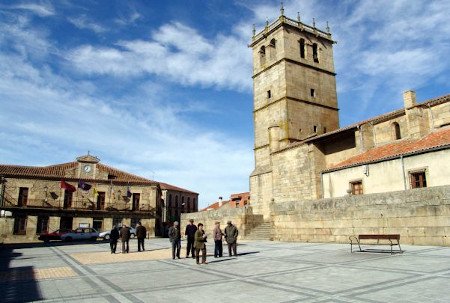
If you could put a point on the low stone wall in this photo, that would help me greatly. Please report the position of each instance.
(420, 216)
(243, 218)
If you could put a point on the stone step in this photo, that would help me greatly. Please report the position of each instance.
(260, 232)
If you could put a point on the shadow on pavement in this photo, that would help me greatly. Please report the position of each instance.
(17, 284)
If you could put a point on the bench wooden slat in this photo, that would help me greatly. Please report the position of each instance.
(355, 240)
(375, 237)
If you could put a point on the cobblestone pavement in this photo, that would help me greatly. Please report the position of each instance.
(263, 272)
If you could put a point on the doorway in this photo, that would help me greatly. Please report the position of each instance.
(66, 223)
(97, 224)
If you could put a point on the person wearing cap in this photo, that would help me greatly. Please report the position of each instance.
(200, 239)
(175, 239)
(217, 234)
(190, 235)
(231, 234)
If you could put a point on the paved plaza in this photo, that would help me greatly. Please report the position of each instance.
(263, 272)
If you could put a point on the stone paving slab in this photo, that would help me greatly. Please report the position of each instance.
(107, 257)
(18, 274)
(264, 271)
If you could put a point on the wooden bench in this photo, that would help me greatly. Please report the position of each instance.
(391, 240)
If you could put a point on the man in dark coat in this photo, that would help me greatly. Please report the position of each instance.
(190, 235)
(231, 234)
(113, 237)
(175, 239)
(200, 239)
(125, 237)
(141, 233)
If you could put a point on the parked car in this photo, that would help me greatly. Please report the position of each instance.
(106, 234)
(80, 233)
(54, 235)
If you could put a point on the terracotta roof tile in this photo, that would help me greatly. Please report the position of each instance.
(215, 205)
(436, 139)
(165, 186)
(60, 171)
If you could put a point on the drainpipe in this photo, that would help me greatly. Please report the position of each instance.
(403, 172)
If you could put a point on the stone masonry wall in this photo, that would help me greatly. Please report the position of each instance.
(420, 216)
(244, 219)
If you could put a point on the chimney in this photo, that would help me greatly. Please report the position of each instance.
(220, 201)
(409, 98)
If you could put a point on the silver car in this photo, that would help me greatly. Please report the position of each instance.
(106, 234)
(80, 234)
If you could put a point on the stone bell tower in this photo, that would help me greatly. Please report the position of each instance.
(294, 88)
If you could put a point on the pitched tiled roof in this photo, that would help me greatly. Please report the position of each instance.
(165, 186)
(59, 171)
(241, 196)
(215, 205)
(436, 140)
(377, 119)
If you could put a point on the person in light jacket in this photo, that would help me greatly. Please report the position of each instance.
(217, 234)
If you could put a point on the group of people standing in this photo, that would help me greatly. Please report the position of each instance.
(124, 235)
(196, 239)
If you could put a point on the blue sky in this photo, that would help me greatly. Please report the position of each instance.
(163, 89)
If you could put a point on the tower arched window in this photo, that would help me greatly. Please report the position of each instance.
(262, 54)
(396, 130)
(315, 48)
(302, 48)
(273, 43)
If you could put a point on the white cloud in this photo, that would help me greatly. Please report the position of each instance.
(174, 51)
(42, 9)
(48, 116)
(82, 22)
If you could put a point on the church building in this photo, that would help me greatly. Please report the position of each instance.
(300, 151)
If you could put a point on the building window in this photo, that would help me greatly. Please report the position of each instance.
(356, 187)
(313, 92)
(397, 133)
(194, 206)
(23, 196)
(315, 128)
(269, 94)
(101, 197)
(170, 200)
(68, 197)
(315, 53)
(42, 224)
(302, 48)
(418, 179)
(136, 198)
